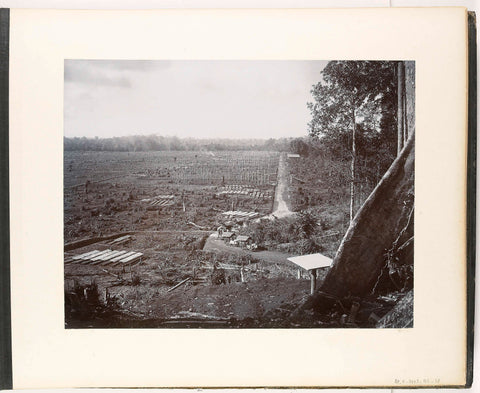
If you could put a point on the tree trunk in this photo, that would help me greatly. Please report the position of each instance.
(353, 165)
(400, 105)
(361, 255)
(401, 316)
(404, 103)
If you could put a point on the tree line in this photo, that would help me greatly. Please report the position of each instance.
(172, 143)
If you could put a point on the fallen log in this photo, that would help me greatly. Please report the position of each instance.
(88, 241)
(177, 285)
(194, 323)
(196, 316)
(197, 226)
(330, 234)
(117, 276)
(299, 180)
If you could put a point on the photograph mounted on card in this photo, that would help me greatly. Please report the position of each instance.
(209, 191)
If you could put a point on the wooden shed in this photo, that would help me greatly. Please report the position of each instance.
(243, 240)
(228, 236)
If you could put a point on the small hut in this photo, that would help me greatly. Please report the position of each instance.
(244, 241)
(228, 236)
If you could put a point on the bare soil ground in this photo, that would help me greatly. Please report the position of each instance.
(224, 282)
(171, 204)
(143, 291)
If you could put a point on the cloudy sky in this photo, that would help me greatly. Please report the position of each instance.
(200, 99)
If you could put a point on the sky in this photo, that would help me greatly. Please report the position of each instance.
(189, 98)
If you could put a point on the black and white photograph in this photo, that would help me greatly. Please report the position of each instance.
(239, 193)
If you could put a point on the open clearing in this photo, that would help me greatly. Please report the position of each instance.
(111, 192)
(142, 247)
(170, 204)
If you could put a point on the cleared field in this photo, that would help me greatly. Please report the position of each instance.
(163, 206)
(110, 192)
(139, 250)
(176, 279)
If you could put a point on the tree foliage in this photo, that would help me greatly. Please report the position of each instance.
(365, 86)
(298, 232)
(359, 96)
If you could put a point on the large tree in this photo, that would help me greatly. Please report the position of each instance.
(354, 102)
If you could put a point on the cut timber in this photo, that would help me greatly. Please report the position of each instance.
(102, 257)
(118, 258)
(79, 258)
(85, 255)
(130, 259)
(361, 255)
(93, 256)
(108, 257)
(114, 254)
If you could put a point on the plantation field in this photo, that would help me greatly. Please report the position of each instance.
(191, 167)
(111, 192)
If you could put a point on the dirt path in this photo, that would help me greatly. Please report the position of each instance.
(280, 206)
(214, 244)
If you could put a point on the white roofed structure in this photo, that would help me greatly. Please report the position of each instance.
(311, 263)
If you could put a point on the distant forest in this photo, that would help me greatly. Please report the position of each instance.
(165, 143)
